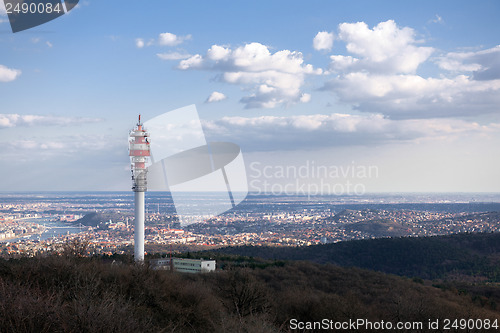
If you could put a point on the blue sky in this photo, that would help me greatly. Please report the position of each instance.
(410, 87)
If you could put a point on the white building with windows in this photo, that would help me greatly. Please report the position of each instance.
(184, 265)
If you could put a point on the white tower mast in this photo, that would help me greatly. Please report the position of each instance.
(139, 151)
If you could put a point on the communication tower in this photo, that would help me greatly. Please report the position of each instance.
(139, 152)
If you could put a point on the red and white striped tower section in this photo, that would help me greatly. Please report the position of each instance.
(139, 152)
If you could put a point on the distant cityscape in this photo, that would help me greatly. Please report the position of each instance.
(38, 223)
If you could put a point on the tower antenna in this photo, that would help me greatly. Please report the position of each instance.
(139, 152)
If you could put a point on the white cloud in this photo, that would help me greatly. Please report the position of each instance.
(385, 49)
(305, 98)
(217, 53)
(164, 39)
(169, 39)
(316, 131)
(8, 74)
(274, 78)
(411, 96)
(215, 97)
(340, 63)
(323, 41)
(49, 44)
(380, 75)
(17, 120)
(484, 64)
(173, 56)
(192, 62)
(139, 42)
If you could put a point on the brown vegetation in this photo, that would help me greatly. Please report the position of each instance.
(72, 294)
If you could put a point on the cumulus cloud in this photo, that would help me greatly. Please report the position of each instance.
(272, 133)
(215, 97)
(386, 48)
(192, 62)
(273, 78)
(217, 53)
(173, 55)
(169, 39)
(380, 75)
(8, 74)
(17, 120)
(323, 41)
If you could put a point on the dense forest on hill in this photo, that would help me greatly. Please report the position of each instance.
(257, 289)
(70, 294)
(474, 257)
(65, 294)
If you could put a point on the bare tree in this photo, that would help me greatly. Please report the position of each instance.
(76, 247)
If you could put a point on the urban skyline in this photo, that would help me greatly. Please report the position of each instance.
(42, 223)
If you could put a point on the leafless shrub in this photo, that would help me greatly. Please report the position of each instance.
(76, 247)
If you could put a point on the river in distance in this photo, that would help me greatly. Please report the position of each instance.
(53, 229)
